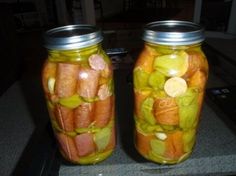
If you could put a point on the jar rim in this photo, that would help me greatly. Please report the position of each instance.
(173, 32)
(72, 37)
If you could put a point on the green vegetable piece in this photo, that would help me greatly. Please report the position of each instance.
(188, 98)
(111, 86)
(157, 80)
(158, 147)
(150, 128)
(93, 159)
(159, 159)
(72, 133)
(71, 102)
(168, 127)
(188, 108)
(188, 116)
(81, 130)
(50, 104)
(140, 79)
(89, 100)
(102, 138)
(189, 138)
(146, 110)
(144, 126)
(175, 64)
(158, 94)
(55, 126)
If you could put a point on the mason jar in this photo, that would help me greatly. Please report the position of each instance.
(77, 79)
(170, 75)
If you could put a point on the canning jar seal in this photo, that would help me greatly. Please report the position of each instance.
(72, 37)
(173, 32)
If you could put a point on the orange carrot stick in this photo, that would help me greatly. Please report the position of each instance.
(145, 60)
(174, 145)
(195, 62)
(85, 144)
(166, 111)
(198, 80)
(143, 142)
(88, 82)
(64, 117)
(83, 115)
(66, 79)
(103, 111)
(67, 146)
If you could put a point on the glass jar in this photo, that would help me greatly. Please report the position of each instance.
(170, 75)
(77, 79)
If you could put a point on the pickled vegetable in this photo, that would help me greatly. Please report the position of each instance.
(102, 138)
(140, 79)
(67, 146)
(145, 60)
(66, 81)
(140, 96)
(188, 109)
(174, 64)
(83, 115)
(156, 80)
(79, 88)
(168, 92)
(143, 143)
(166, 111)
(82, 140)
(175, 86)
(146, 110)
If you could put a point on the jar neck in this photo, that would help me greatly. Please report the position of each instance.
(196, 46)
(74, 55)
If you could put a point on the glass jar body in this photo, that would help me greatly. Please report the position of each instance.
(78, 86)
(169, 84)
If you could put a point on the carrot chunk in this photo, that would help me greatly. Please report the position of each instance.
(174, 145)
(143, 142)
(145, 60)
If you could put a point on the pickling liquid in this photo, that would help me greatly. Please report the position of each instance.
(169, 85)
(79, 91)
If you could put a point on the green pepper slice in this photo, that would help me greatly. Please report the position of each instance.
(146, 110)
